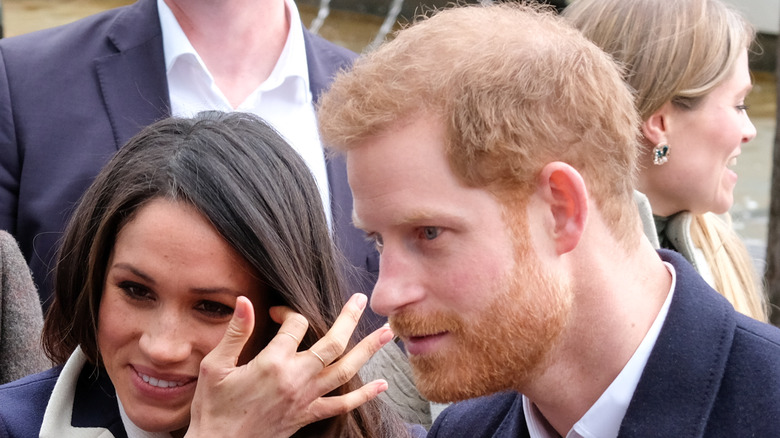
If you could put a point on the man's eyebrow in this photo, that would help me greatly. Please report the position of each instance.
(415, 217)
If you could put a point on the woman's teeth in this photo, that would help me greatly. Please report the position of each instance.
(158, 382)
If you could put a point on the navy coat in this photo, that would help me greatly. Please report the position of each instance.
(71, 96)
(712, 373)
(23, 403)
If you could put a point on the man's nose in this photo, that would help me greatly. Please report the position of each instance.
(398, 284)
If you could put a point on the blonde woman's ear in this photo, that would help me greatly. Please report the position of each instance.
(656, 128)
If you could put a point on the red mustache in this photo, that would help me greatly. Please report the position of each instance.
(408, 324)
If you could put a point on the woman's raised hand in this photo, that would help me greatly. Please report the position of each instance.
(281, 390)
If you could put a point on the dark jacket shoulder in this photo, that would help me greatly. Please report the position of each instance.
(712, 372)
(23, 403)
(497, 415)
(86, 36)
(324, 60)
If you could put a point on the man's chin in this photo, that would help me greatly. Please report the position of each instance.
(443, 381)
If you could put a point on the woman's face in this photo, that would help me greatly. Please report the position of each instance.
(170, 289)
(705, 143)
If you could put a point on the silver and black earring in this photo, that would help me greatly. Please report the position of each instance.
(661, 154)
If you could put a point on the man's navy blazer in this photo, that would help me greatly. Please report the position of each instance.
(712, 373)
(72, 95)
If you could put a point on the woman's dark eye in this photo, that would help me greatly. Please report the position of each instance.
(215, 309)
(430, 233)
(135, 291)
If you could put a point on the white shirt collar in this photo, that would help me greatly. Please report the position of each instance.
(134, 431)
(292, 62)
(59, 410)
(284, 99)
(603, 419)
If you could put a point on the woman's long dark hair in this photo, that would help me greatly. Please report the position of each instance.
(259, 195)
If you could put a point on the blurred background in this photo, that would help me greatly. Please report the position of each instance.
(360, 24)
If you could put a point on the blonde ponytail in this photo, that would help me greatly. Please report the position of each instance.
(732, 267)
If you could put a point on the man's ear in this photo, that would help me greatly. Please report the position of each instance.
(564, 192)
(655, 128)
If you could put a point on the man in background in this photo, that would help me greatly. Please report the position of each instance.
(72, 95)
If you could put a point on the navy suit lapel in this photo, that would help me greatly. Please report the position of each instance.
(324, 61)
(133, 79)
(679, 385)
(95, 403)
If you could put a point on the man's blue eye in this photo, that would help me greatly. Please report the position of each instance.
(431, 233)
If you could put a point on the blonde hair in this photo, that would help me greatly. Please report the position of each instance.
(678, 51)
(731, 265)
(672, 50)
(515, 88)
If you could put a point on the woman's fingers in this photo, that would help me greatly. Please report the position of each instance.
(226, 353)
(281, 389)
(293, 326)
(333, 344)
(345, 368)
(326, 407)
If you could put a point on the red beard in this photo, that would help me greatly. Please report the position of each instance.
(501, 348)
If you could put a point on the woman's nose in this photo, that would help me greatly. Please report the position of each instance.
(166, 340)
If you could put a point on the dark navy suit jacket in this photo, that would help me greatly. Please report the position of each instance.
(23, 404)
(72, 95)
(712, 373)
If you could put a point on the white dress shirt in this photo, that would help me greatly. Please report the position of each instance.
(603, 419)
(134, 431)
(284, 100)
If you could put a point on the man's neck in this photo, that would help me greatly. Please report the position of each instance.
(240, 41)
(615, 306)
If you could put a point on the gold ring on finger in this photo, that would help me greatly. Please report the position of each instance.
(318, 357)
(292, 336)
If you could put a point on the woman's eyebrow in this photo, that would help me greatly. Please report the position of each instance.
(132, 269)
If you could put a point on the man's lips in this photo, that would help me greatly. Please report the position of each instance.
(423, 344)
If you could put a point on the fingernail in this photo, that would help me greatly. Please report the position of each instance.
(381, 386)
(386, 336)
(361, 301)
(240, 311)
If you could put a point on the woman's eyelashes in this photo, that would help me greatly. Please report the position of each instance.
(214, 309)
(210, 308)
(135, 290)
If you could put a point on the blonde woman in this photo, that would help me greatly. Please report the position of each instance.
(687, 61)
